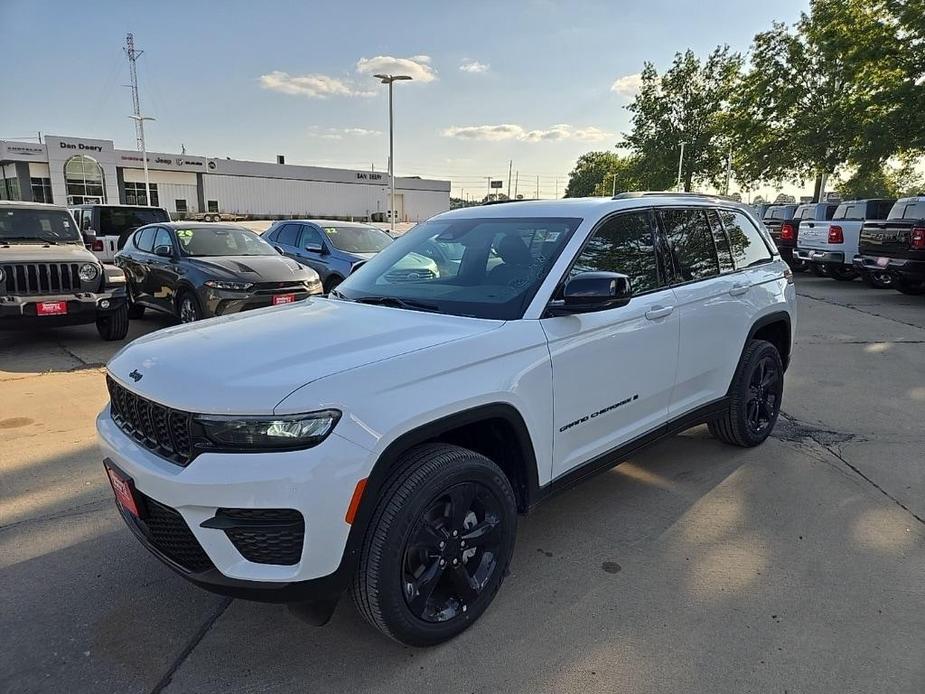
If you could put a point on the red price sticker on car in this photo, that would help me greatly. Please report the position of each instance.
(283, 299)
(51, 308)
(124, 489)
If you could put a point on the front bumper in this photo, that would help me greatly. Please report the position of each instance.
(811, 255)
(317, 482)
(222, 302)
(82, 308)
(902, 267)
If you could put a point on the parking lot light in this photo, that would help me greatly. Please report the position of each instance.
(389, 79)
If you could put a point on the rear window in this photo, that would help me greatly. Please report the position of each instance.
(748, 246)
(908, 209)
(116, 221)
(849, 211)
(804, 212)
(780, 212)
(357, 239)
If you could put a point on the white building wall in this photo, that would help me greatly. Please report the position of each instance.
(171, 186)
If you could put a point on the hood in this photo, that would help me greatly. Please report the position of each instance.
(37, 253)
(252, 268)
(249, 362)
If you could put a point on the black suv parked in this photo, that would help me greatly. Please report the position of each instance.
(48, 278)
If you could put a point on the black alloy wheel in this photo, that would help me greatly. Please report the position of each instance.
(842, 273)
(878, 279)
(754, 397)
(452, 553)
(438, 545)
(764, 390)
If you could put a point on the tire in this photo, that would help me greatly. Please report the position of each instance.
(842, 273)
(435, 498)
(798, 265)
(188, 308)
(135, 311)
(818, 269)
(878, 280)
(331, 283)
(744, 424)
(910, 287)
(114, 325)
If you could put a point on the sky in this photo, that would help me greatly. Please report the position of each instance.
(536, 82)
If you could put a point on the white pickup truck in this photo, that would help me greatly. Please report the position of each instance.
(834, 244)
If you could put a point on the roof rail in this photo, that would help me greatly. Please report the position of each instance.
(667, 193)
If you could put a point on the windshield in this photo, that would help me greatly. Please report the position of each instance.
(352, 239)
(38, 225)
(116, 221)
(485, 268)
(203, 242)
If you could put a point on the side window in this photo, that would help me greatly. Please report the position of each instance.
(748, 247)
(623, 244)
(162, 238)
(723, 253)
(310, 236)
(144, 239)
(692, 242)
(288, 235)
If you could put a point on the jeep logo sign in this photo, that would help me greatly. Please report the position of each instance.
(82, 146)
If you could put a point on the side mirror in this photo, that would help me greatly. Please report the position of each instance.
(595, 291)
(163, 252)
(315, 248)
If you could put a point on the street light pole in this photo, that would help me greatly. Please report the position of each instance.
(680, 165)
(140, 120)
(389, 79)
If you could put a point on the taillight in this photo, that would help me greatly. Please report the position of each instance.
(97, 246)
(917, 241)
(786, 232)
(835, 234)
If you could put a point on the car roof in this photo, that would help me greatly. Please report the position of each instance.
(197, 225)
(328, 222)
(587, 207)
(32, 205)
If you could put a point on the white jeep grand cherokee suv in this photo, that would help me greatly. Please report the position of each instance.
(384, 439)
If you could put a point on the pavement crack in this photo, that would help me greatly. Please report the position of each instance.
(796, 431)
(89, 507)
(191, 645)
(860, 310)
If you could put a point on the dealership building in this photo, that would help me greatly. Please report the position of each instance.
(71, 171)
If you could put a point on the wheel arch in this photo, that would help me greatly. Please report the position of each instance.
(775, 328)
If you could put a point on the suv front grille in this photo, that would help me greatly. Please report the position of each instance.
(171, 536)
(165, 431)
(23, 279)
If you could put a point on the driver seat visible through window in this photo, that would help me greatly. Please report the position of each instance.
(515, 261)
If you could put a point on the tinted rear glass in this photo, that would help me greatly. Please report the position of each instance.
(780, 212)
(115, 221)
(908, 209)
(748, 246)
(692, 242)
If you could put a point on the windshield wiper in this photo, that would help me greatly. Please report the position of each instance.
(33, 239)
(395, 302)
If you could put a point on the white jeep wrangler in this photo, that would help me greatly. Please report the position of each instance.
(384, 439)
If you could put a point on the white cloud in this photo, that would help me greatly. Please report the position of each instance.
(340, 133)
(417, 67)
(627, 85)
(474, 66)
(512, 131)
(314, 85)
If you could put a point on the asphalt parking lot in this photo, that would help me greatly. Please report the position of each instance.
(794, 567)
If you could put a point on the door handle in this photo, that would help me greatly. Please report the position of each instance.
(739, 289)
(657, 312)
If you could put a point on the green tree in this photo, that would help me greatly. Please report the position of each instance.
(882, 182)
(689, 104)
(590, 170)
(823, 94)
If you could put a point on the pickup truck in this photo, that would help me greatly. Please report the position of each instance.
(834, 244)
(783, 223)
(897, 245)
(106, 227)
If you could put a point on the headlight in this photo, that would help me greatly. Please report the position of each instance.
(267, 433)
(238, 286)
(313, 285)
(89, 272)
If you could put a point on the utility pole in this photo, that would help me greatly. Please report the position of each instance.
(537, 187)
(139, 119)
(680, 165)
(516, 182)
(488, 199)
(613, 188)
(389, 79)
(510, 166)
(728, 171)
